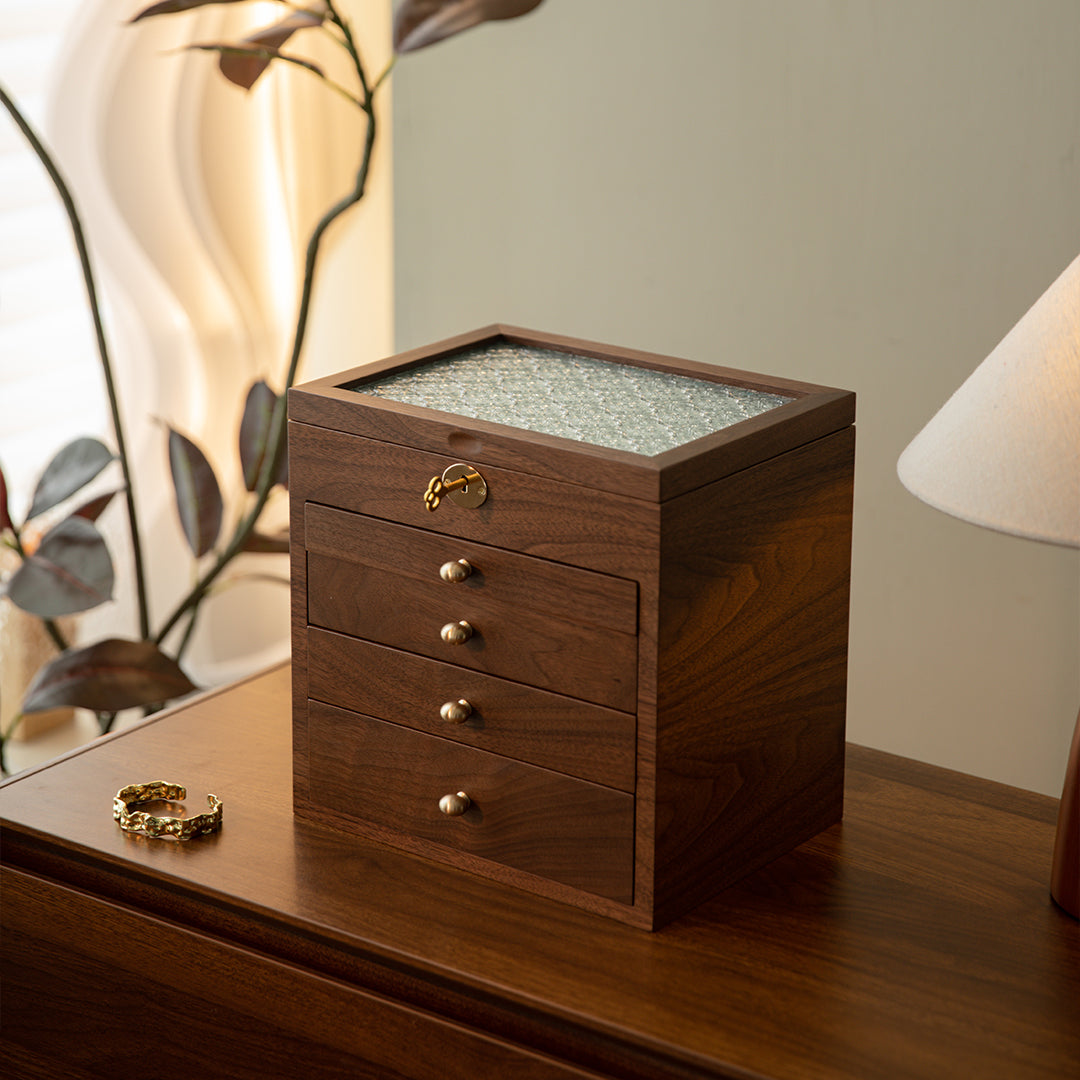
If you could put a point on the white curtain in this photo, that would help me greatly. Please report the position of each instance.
(198, 199)
(46, 344)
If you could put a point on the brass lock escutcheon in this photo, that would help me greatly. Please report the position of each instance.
(461, 484)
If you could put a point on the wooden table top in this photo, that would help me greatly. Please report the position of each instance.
(915, 939)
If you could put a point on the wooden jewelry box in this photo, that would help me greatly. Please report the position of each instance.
(609, 664)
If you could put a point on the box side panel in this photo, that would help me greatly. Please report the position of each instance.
(752, 668)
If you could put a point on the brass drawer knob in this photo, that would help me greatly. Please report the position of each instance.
(455, 805)
(456, 633)
(456, 712)
(455, 572)
(462, 484)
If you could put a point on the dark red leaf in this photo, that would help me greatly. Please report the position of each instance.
(5, 517)
(72, 468)
(70, 571)
(276, 34)
(198, 496)
(260, 542)
(424, 22)
(243, 64)
(171, 7)
(92, 510)
(107, 676)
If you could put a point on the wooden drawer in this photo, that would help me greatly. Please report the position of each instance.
(509, 580)
(390, 780)
(97, 989)
(508, 718)
(564, 629)
(565, 522)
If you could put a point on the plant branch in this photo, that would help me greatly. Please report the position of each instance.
(276, 436)
(385, 73)
(68, 201)
(188, 631)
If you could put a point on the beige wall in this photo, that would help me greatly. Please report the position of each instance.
(864, 194)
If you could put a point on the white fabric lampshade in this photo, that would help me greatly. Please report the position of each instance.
(1004, 450)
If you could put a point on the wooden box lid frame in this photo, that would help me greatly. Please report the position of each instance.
(814, 412)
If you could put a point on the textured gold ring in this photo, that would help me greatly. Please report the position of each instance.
(139, 821)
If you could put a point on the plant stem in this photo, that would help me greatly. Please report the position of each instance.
(66, 198)
(276, 436)
(53, 631)
(188, 631)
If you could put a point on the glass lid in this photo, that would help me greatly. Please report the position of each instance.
(576, 397)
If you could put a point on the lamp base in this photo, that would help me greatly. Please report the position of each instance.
(1065, 875)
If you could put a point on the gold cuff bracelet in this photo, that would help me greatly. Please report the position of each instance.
(139, 821)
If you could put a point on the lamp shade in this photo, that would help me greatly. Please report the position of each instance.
(1004, 450)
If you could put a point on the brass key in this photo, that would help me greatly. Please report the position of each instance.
(462, 483)
(437, 489)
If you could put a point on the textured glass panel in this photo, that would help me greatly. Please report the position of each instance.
(577, 397)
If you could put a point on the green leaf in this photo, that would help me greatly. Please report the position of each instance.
(5, 517)
(254, 431)
(107, 676)
(172, 7)
(198, 496)
(72, 468)
(70, 571)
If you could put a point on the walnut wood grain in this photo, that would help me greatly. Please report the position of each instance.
(753, 630)
(511, 581)
(582, 661)
(914, 941)
(532, 514)
(390, 780)
(507, 718)
(128, 980)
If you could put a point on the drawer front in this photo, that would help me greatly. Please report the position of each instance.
(528, 619)
(568, 658)
(506, 718)
(230, 1011)
(518, 582)
(531, 819)
(565, 522)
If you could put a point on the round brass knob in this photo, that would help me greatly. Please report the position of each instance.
(456, 712)
(455, 805)
(453, 572)
(456, 633)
